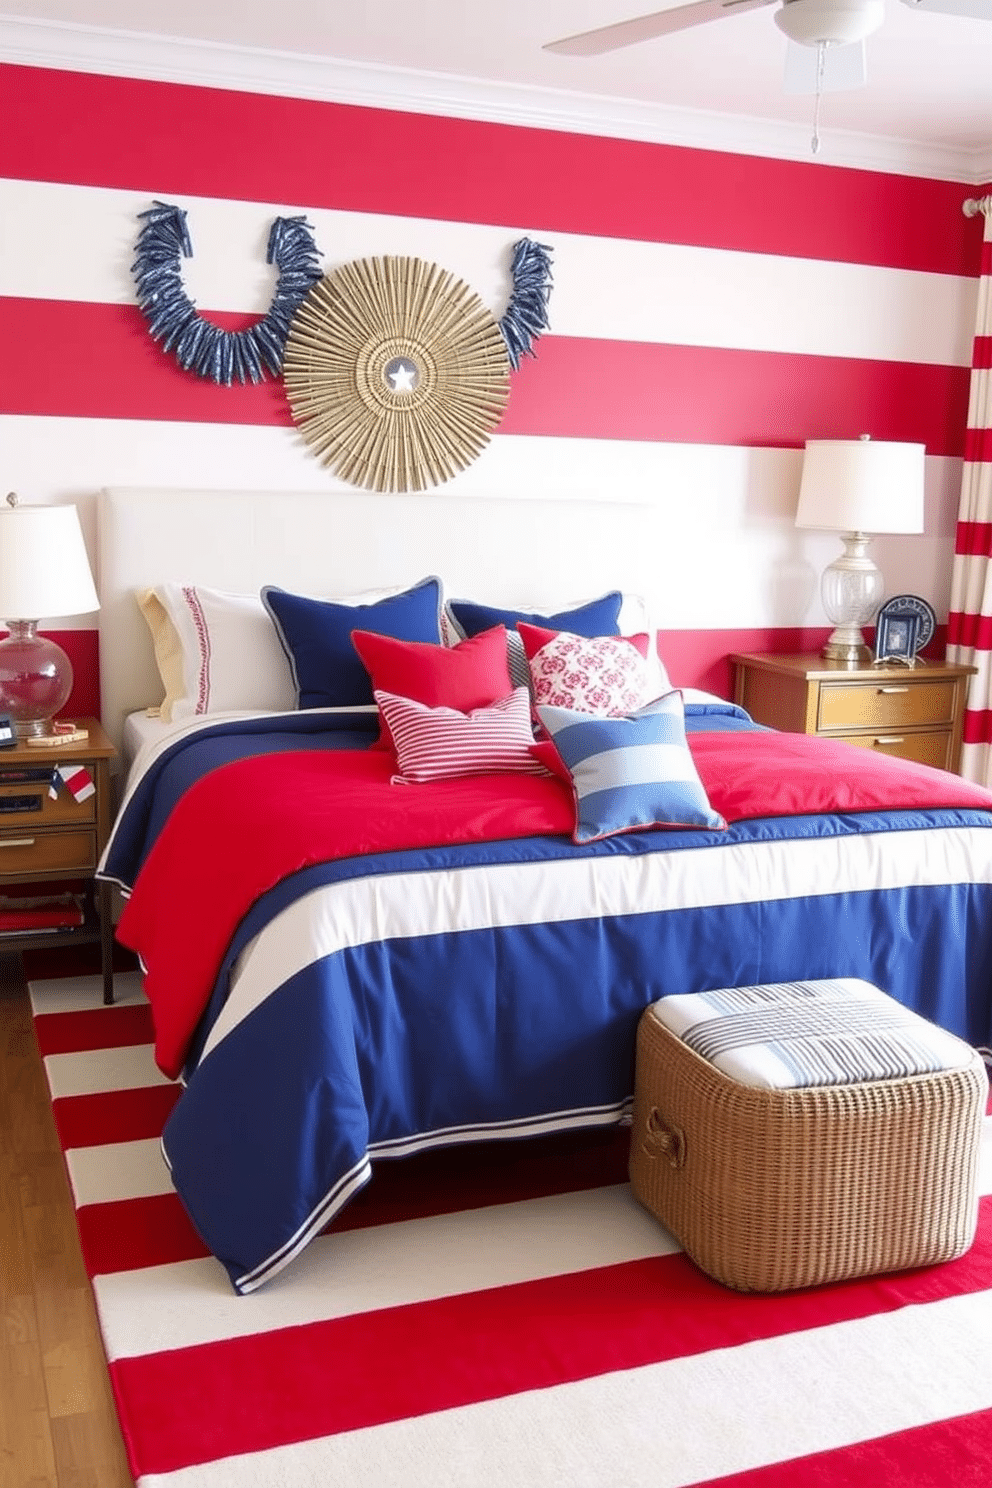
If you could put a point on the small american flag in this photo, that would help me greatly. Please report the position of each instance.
(76, 779)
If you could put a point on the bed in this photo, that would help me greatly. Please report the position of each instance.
(357, 952)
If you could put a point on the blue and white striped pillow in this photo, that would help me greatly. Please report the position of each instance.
(631, 772)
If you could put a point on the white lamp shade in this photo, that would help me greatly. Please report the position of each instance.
(861, 485)
(44, 570)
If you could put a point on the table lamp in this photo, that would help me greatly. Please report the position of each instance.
(44, 571)
(858, 487)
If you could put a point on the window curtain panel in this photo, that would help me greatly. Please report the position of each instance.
(969, 624)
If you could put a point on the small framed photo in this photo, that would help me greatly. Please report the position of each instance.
(897, 636)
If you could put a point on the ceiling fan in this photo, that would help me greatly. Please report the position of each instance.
(832, 31)
(812, 23)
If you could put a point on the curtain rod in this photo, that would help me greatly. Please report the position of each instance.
(973, 206)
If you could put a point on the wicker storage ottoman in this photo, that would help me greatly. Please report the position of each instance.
(857, 1154)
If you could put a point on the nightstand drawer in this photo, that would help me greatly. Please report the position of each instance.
(46, 852)
(29, 804)
(885, 705)
(925, 749)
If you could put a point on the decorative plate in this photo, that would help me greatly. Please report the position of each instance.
(911, 604)
(396, 373)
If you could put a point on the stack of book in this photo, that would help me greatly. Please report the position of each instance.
(25, 915)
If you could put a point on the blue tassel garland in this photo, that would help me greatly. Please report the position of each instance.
(198, 345)
(526, 313)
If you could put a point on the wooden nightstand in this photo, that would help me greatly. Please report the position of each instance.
(914, 712)
(44, 840)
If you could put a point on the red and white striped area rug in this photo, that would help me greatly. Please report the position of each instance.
(505, 1317)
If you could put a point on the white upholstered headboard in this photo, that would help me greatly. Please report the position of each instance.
(499, 551)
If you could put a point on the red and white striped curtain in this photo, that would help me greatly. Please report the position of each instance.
(969, 624)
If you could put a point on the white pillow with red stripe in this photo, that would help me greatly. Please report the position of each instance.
(215, 652)
(443, 743)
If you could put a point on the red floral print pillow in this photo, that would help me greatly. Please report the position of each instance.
(603, 675)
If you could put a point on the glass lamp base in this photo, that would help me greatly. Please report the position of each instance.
(852, 588)
(35, 679)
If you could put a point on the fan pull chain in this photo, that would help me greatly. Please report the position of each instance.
(821, 64)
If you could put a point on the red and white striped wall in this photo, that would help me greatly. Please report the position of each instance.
(710, 312)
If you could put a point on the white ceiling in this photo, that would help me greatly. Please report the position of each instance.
(929, 90)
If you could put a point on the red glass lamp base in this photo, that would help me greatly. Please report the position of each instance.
(35, 679)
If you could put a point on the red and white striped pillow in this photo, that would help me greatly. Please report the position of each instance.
(443, 743)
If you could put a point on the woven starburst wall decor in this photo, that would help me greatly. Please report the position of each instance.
(396, 373)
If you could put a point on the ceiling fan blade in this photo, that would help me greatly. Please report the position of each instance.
(844, 68)
(979, 10)
(646, 27)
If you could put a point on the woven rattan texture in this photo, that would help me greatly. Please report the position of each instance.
(769, 1190)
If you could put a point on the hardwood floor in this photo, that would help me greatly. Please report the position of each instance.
(58, 1426)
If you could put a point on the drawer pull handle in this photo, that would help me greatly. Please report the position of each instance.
(893, 689)
(890, 739)
(16, 842)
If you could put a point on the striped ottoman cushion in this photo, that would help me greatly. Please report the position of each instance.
(799, 1034)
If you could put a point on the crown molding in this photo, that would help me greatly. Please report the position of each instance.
(77, 48)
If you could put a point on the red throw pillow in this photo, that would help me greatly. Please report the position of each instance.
(547, 755)
(473, 674)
